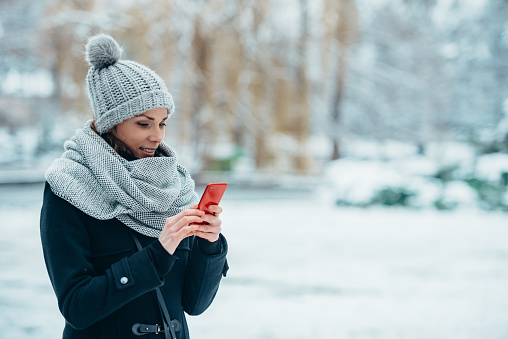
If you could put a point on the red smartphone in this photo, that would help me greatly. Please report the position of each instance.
(212, 195)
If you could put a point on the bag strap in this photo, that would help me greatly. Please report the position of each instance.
(169, 331)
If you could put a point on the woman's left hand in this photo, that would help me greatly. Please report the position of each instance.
(211, 230)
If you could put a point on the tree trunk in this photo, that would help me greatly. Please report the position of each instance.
(343, 33)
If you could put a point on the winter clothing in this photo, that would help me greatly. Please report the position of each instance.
(120, 89)
(96, 199)
(104, 285)
(93, 177)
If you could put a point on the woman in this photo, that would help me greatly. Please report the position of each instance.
(124, 243)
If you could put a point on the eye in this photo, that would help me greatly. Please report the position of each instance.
(142, 124)
(163, 124)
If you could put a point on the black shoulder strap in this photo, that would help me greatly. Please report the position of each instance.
(168, 325)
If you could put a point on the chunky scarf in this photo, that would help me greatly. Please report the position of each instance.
(141, 193)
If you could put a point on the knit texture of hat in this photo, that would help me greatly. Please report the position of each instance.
(120, 89)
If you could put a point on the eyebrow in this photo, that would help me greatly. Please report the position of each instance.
(149, 118)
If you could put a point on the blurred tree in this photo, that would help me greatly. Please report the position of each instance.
(255, 119)
(408, 86)
(495, 36)
(202, 86)
(243, 90)
(302, 93)
(340, 19)
(63, 32)
(18, 59)
(66, 26)
(147, 33)
(18, 35)
(480, 66)
(243, 81)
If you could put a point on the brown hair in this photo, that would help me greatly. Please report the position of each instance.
(119, 146)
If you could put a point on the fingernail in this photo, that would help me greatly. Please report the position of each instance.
(211, 208)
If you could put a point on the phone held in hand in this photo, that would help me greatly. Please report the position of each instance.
(212, 195)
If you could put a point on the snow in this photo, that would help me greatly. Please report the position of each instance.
(303, 269)
(35, 84)
(491, 167)
(223, 150)
(12, 143)
(285, 16)
(460, 193)
(25, 176)
(438, 179)
(452, 153)
(355, 181)
(427, 191)
(445, 8)
(375, 149)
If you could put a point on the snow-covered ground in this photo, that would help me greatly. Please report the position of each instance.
(304, 269)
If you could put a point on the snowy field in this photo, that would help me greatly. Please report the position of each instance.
(303, 269)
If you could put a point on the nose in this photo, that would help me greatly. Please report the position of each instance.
(156, 135)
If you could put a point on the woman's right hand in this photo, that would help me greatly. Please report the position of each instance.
(176, 229)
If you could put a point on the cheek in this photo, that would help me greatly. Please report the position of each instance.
(130, 136)
(123, 138)
(120, 132)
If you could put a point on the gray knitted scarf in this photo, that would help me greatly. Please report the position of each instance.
(141, 193)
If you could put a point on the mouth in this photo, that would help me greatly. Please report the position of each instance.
(148, 151)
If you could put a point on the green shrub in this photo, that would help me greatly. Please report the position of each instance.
(447, 173)
(393, 196)
(504, 179)
(490, 196)
(442, 205)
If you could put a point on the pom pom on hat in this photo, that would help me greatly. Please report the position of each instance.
(102, 51)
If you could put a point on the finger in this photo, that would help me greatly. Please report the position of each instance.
(188, 220)
(195, 206)
(203, 228)
(215, 209)
(184, 213)
(184, 221)
(191, 211)
(207, 236)
(186, 232)
(212, 220)
(209, 229)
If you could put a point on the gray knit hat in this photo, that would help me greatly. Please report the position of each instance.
(120, 89)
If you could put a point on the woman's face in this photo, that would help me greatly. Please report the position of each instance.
(144, 132)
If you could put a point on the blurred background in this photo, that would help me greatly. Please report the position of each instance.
(267, 90)
(369, 137)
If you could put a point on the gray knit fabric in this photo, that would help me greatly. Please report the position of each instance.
(120, 89)
(141, 193)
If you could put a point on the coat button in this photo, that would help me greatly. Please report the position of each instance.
(124, 280)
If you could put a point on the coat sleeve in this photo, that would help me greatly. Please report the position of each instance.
(84, 297)
(203, 275)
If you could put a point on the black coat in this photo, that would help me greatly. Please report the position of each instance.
(104, 285)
